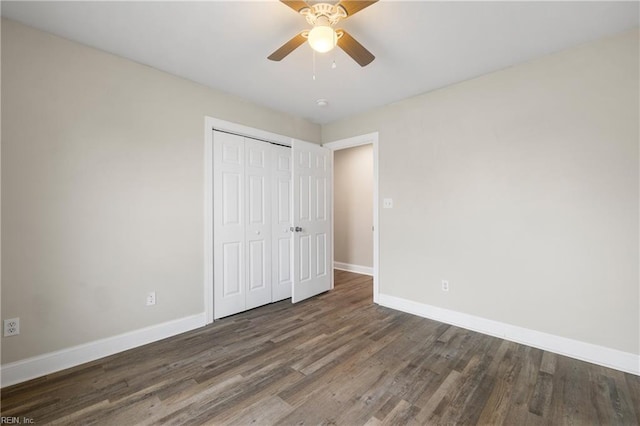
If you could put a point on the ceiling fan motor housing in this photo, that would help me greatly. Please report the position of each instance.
(324, 11)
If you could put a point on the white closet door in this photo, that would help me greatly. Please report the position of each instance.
(312, 257)
(281, 235)
(258, 222)
(229, 223)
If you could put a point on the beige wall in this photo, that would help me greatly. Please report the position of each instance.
(521, 188)
(353, 205)
(102, 190)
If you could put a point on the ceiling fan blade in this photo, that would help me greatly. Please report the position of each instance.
(296, 5)
(354, 6)
(354, 49)
(288, 47)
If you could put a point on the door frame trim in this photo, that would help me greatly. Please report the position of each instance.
(211, 123)
(369, 138)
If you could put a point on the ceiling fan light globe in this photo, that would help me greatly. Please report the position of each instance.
(322, 38)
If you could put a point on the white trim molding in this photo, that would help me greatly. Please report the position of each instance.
(208, 218)
(595, 354)
(351, 142)
(30, 368)
(240, 129)
(358, 269)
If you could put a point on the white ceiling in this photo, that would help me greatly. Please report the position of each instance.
(419, 46)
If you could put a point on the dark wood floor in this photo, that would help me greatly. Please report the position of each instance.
(335, 359)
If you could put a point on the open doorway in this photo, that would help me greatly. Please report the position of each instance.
(352, 209)
(355, 201)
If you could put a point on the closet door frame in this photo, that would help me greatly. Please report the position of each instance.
(211, 123)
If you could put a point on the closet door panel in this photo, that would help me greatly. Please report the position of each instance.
(312, 246)
(281, 241)
(228, 225)
(258, 177)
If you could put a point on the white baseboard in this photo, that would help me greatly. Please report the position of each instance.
(30, 368)
(364, 270)
(595, 354)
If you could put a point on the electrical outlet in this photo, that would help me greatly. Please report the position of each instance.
(387, 203)
(445, 285)
(11, 327)
(151, 298)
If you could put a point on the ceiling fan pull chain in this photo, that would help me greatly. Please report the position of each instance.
(314, 64)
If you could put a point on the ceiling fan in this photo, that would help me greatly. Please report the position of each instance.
(323, 37)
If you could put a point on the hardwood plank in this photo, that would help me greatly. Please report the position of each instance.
(496, 408)
(402, 414)
(577, 408)
(624, 405)
(541, 398)
(269, 411)
(522, 391)
(548, 363)
(476, 401)
(633, 392)
(440, 398)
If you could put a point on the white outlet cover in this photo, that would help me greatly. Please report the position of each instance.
(11, 327)
(151, 298)
(387, 203)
